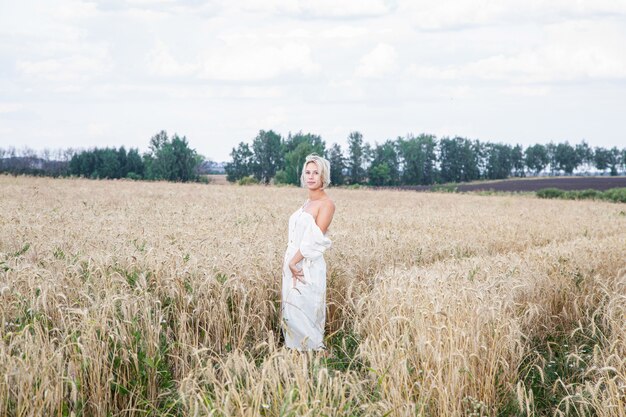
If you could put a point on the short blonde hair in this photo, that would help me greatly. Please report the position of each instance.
(323, 166)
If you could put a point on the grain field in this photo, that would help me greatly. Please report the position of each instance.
(129, 298)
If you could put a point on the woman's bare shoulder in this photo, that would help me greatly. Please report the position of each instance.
(328, 204)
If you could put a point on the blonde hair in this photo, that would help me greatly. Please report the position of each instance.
(323, 167)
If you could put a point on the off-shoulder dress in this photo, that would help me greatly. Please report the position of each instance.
(303, 306)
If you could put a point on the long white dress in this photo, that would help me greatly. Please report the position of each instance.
(303, 306)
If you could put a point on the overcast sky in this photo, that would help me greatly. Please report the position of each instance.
(111, 73)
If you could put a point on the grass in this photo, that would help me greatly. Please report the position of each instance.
(616, 195)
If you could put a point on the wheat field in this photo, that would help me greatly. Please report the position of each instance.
(123, 298)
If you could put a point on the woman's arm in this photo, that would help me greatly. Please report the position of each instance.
(298, 274)
(325, 216)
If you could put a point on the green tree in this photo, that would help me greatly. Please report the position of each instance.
(107, 165)
(241, 164)
(357, 157)
(417, 159)
(566, 158)
(517, 161)
(615, 160)
(268, 156)
(552, 162)
(337, 164)
(297, 148)
(536, 158)
(292, 142)
(601, 158)
(385, 165)
(172, 160)
(379, 174)
(584, 154)
(499, 162)
(449, 157)
(134, 164)
(122, 158)
(459, 159)
(83, 164)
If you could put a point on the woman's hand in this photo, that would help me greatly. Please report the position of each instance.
(298, 274)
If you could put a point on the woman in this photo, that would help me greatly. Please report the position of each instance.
(304, 269)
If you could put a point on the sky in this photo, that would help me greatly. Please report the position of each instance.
(82, 74)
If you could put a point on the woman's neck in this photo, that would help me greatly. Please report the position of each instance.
(316, 194)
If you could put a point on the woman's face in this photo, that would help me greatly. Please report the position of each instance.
(312, 176)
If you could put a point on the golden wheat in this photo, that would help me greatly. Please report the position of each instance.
(132, 298)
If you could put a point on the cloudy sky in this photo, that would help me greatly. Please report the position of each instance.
(110, 73)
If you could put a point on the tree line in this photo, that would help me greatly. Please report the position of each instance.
(413, 160)
(169, 159)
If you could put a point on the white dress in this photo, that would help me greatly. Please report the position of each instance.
(303, 307)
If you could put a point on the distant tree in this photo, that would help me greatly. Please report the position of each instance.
(292, 142)
(536, 158)
(566, 158)
(122, 157)
(186, 161)
(134, 164)
(241, 164)
(552, 162)
(584, 153)
(615, 160)
(108, 164)
(517, 161)
(379, 174)
(357, 157)
(171, 160)
(297, 148)
(74, 165)
(601, 158)
(268, 156)
(417, 158)
(337, 164)
(459, 159)
(473, 152)
(499, 164)
(449, 157)
(385, 165)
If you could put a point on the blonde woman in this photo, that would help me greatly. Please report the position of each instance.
(303, 307)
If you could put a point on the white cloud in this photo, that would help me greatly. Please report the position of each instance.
(144, 15)
(98, 128)
(444, 14)
(370, 65)
(79, 67)
(570, 51)
(272, 118)
(161, 62)
(343, 90)
(71, 10)
(251, 62)
(378, 62)
(527, 90)
(10, 107)
(453, 14)
(344, 8)
(316, 9)
(343, 32)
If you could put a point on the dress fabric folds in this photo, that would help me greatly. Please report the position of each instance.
(303, 306)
